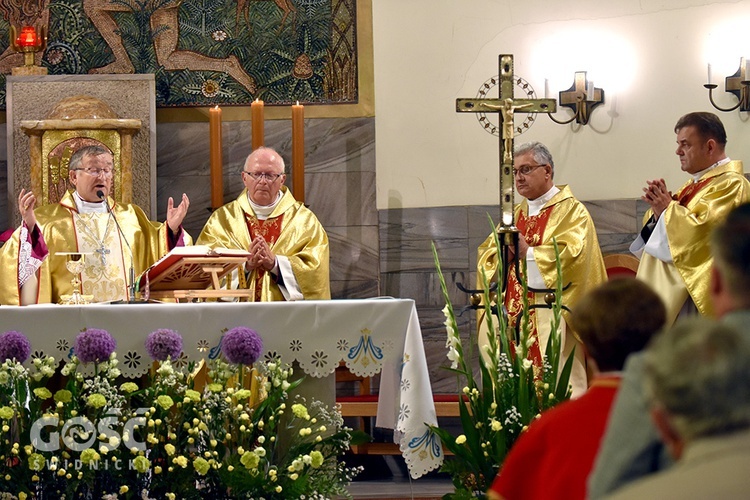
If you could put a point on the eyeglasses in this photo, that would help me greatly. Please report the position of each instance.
(96, 172)
(261, 175)
(526, 169)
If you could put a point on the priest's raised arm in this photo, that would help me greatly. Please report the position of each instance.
(288, 244)
(115, 236)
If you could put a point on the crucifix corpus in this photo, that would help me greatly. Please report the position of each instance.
(506, 106)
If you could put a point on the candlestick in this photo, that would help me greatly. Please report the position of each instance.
(217, 180)
(298, 151)
(256, 110)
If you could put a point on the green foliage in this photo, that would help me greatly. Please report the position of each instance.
(509, 394)
(241, 436)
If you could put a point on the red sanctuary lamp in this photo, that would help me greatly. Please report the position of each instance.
(29, 42)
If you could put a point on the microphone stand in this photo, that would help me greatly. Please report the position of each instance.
(131, 271)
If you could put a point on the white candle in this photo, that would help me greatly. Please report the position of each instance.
(546, 88)
(709, 72)
(747, 70)
(590, 91)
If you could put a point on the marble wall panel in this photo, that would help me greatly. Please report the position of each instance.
(339, 185)
(354, 249)
(342, 198)
(424, 287)
(612, 216)
(407, 269)
(355, 289)
(479, 230)
(641, 207)
(406, 237)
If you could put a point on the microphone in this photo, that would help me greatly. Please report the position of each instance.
(131, 274)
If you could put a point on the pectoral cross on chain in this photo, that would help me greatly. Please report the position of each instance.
(103, 251)
(506, 106)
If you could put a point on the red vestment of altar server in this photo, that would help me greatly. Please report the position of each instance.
(554, 457)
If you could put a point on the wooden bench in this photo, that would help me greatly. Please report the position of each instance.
(364, 406)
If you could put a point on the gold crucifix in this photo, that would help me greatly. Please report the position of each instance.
(506, 106)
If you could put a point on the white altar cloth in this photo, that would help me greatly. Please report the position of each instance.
(371, 336)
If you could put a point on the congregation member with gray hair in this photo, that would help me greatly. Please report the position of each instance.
(631, 448)
(696, 382)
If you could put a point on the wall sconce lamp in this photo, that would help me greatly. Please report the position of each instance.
(582, 97)
(737, 84)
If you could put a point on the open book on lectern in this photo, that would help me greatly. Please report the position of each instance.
(184, 268)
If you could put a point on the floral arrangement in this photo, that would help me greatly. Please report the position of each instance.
(510, 393)
(86, 432)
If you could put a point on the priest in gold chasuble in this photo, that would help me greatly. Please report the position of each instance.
(548, 211)
(288, 245)
(674, 243)
(33, 272)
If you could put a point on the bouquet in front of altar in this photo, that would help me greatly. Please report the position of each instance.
(230, 430)
(511, 391)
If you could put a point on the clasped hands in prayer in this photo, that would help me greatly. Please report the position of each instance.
(523, 248)
(260, 255)
(657, 196)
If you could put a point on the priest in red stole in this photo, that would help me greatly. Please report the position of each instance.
(674, 243)
(548, 211)
(288, 245)
(554, 456)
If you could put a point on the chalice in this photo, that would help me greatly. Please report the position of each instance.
(75, 262)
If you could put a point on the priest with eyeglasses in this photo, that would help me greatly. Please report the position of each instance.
(85, 221)
(288, 245)
(548, 211)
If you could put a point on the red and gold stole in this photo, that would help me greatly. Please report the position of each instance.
(688, 192)
(269, 230)
(531, 228)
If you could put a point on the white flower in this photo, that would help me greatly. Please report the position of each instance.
(526, 364)
(454, 356)
(530, 342)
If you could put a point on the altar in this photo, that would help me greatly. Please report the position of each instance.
(370, 336)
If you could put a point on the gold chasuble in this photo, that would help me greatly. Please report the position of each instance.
(107, 266)
(566, 219)
(292, 232)
(698, 207)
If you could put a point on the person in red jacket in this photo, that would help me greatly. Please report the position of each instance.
(553, 457)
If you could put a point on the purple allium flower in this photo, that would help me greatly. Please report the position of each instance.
(14, 345)
(163, 343)
(94, 344)
(241, 345)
